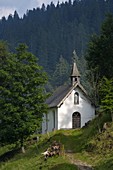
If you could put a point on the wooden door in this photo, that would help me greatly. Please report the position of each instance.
(76, 120)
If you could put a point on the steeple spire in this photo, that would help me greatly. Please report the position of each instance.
(75, 75)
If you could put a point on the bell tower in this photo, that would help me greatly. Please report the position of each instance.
(75, 75)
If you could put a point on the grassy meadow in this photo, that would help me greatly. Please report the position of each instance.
(91, 145)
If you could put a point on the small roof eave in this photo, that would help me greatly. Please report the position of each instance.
(71, 89)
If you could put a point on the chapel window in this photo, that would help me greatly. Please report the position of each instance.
(76, 98)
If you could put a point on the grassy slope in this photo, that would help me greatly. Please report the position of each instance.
(33, 160)
(86, 144)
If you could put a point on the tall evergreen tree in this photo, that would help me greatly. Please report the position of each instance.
(106, 92)
(61, 74)
(100, 51)
(100, 55)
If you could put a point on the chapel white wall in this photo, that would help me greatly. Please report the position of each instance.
(48, 123)
(63, 114)
(86, 110)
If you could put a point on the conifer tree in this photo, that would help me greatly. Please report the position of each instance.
(100, 56)
(61, 73)
(100, 50)
(106, 92)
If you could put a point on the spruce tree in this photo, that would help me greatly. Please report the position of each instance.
(106, 93)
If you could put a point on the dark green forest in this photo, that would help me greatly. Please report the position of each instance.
(52, 32)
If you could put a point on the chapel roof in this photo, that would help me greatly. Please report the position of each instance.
(58, 95)
(61, 94)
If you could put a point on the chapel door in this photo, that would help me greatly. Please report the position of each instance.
(76, 120)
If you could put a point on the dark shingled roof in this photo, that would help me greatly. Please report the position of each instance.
(58, 95)
(61, 93)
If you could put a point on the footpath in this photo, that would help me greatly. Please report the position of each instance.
(81, 165)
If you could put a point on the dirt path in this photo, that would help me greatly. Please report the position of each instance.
(81, 165)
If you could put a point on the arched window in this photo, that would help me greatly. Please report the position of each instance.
(76, 98)
(76, 120)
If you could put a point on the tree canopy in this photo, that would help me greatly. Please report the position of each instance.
(100, 55)
(100, 50)
(61, 73)
(54, 30)
(22, 94)
(106, 93)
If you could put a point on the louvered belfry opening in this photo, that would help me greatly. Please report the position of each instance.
(76, 120)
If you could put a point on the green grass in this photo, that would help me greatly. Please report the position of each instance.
(87, 144)
(33, 159)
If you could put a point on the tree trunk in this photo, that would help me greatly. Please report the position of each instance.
(112, 116)
(23, 149)
(22, 145)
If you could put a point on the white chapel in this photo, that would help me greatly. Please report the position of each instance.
(69, 107)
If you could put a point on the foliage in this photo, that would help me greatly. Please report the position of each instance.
(22, 95)
(61, 73)
(106, 92)
(3, 51)
(92, 86)
(55, 30)
(100, 50)
(100, 56)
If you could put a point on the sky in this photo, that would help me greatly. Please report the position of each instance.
(9, 6)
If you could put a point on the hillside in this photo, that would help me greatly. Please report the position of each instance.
(91, 145)
(52, 31)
